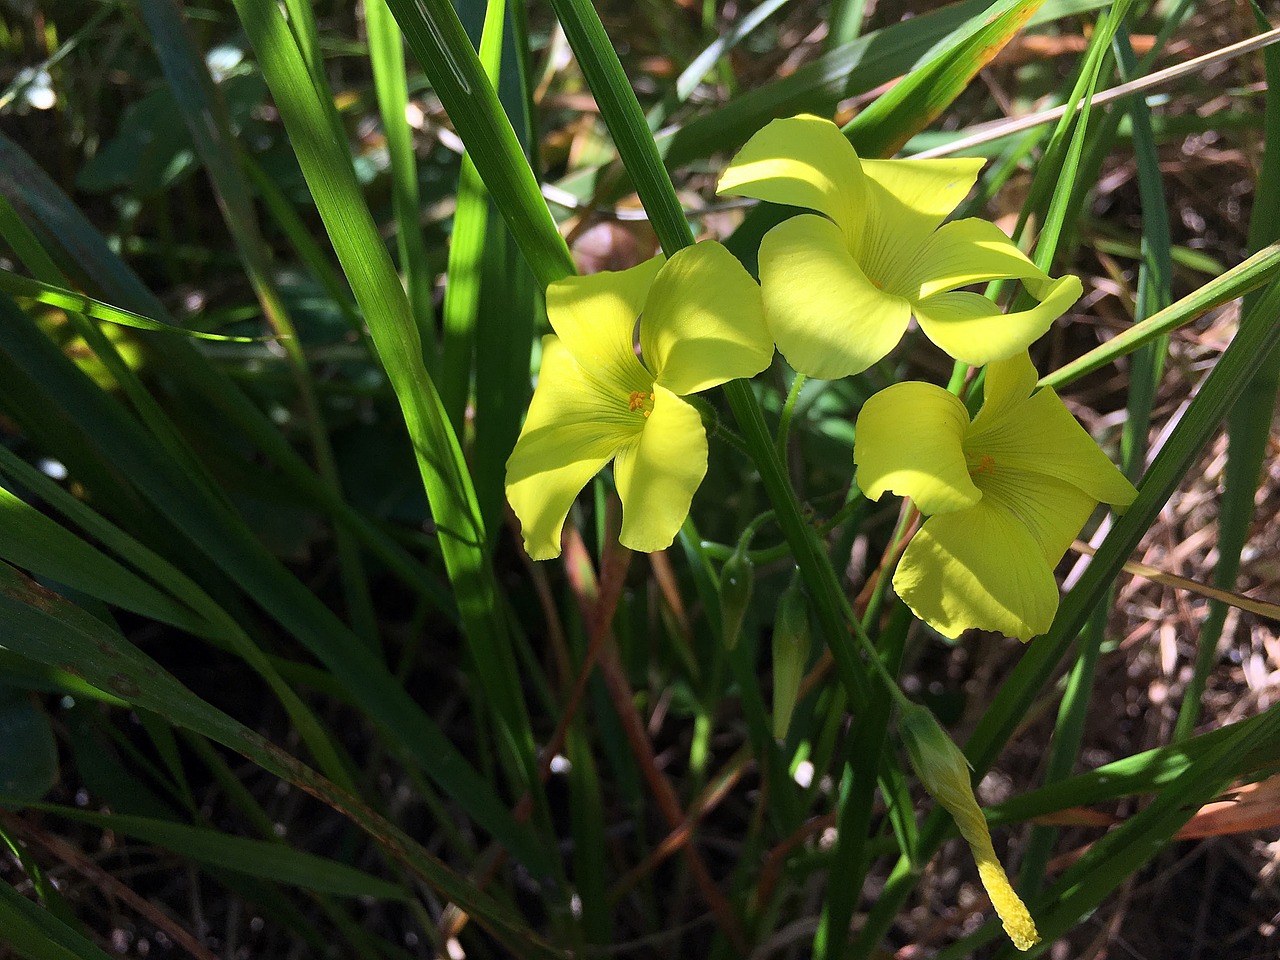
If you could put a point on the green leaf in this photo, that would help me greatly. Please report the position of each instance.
(28, 755)
(64, 299)
(43, 626)
(263, 859)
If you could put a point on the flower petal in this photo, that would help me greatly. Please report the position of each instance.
(906, 200)
(1052, 510)
(971, 251)
(827, 318)
(658, 473)
(978, 568)
(595, 317)
(1039, 438)
(802, 161)
(909, 440)
(971, 328)
(573, 428)
(703, 323)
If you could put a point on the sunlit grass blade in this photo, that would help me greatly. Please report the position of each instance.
(856, 67)
(441, 46)
(467, 248)
(386, 59)
(920, 97)
(35, 372)
(1259, 269)
(63, 299)
(41, 625)
(84, 255)
(327, 167)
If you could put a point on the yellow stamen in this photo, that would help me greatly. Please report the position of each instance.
(635, 401)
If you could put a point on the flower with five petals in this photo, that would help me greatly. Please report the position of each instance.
(841, 288)
(1005, 495)
(701, 323)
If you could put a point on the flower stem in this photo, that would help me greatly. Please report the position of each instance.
(788, 410)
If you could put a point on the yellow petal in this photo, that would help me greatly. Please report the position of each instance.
(802, 161)
(595, 317)
(573, 428)
(906, 200)
(1052, 510)
(909, 440)
(971, 328)
(703, 322)
(1038, 437)
(658, 473)
(827, 318)
(970, 251)
(978, 567)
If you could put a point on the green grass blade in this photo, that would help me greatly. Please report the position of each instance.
(1248, 430)
(263, 859)
(327, 168)
(224, 537)
(64, 299)
(467, 247)
(41, 625)
(1257, 270)
(1148, 772)
(920, 97)
(31, 540)
(37, 934)
(386, 57)
(441, 46)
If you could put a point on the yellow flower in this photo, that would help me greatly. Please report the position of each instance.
(1005, 495)
(944, 772)
(840, 289)
(701, 323)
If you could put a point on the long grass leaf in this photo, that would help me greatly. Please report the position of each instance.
(257, 858)
(41, 625)
(209, 123)
(386, 58)
(32, 366)
(920, 97)
(327, 168)
(437, 39)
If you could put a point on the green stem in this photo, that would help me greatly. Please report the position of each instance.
(788, 410)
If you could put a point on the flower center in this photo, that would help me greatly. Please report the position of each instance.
(638, 400)
(980, 463)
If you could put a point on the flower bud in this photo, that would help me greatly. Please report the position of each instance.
(735, 594)
(944, 772)
(790, 654)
